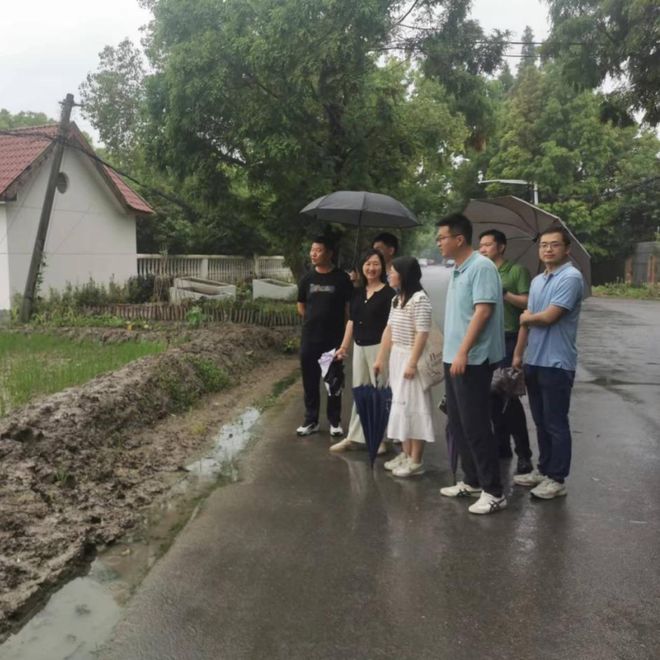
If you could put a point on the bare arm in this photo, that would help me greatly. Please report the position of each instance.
(342, 352)
(383, 351)
(482, 312)
(301, 309)
(415, 353)
(518, 300)
(521, 344)
(550, 315)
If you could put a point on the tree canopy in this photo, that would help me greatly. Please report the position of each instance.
(248, 110)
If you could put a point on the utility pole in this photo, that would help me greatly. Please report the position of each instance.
(42, 230)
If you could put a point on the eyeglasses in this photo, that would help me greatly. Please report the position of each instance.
(487, 245)
(555, 245)
(439, 239)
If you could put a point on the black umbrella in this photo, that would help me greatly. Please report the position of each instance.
(362, 209)
(452, 447)
(522, 222)
(373, 408)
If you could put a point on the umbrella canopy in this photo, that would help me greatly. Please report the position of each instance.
(373, 407)
(522, 222)
(364, 209)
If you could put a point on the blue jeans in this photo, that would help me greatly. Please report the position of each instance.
(549, 392)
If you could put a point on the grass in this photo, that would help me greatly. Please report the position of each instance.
(38, 364)
(623, 290)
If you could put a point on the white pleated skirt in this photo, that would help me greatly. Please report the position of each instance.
(411, 415)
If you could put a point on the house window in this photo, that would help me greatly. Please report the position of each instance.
(62, 183)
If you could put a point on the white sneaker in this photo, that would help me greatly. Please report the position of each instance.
(533, 478)
(336, 431)
(307, 429)
(343, 445)
(409, 469)
(399, 459)
(548, 489)
(461, 489)
(488, 503)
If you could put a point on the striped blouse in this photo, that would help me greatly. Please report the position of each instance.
(414, 317)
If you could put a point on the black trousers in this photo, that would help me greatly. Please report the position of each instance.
(508, 414)
(310, 352)
(468, 413)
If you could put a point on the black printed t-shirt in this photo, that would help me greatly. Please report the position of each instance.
(369, 315)
(325, 296)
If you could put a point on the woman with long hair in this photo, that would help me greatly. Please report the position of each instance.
(406, 334)
(368, 314)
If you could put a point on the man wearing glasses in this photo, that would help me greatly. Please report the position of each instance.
(473, 346)
(548, 328)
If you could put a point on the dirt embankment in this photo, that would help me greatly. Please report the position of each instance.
(77, 467)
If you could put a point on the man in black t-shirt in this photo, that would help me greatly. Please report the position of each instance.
(323, 298)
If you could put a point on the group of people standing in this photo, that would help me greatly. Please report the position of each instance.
(494, 317)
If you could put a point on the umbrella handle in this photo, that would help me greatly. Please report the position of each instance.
(356, 254)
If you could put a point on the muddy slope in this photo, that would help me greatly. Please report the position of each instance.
(75, 468)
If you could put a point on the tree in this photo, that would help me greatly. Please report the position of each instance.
(593, 39)
(595, 175)
(23, 119)
(267, 105)
(112, 100)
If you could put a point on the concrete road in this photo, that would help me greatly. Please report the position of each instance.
(316, 556)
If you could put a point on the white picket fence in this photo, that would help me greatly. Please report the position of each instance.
(218, 267)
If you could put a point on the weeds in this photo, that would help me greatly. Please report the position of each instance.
(622, 290)
(36, 364)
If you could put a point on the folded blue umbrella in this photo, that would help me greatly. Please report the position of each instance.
(373, 407)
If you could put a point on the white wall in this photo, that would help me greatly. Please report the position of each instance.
(5, 298)
(89, 236)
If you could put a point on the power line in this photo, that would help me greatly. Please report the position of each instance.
(73, 145)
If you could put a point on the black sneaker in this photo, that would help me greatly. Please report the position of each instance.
(524, 466)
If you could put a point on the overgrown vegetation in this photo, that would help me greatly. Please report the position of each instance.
(36, 364)
(623, 290)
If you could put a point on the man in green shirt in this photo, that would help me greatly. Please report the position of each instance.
(508, 415)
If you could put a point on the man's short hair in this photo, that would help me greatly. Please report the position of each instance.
(499, 236)
(326, 241)
(388, 239)
(458, 224)
(557, 229)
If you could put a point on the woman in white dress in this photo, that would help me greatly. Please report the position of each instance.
(408, 326)
(368, 314)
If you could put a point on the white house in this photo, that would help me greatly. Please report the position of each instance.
(92, 230)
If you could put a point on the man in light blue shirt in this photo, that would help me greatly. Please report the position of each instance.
(549, 332)
(473, 345)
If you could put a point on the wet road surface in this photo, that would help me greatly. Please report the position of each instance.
(316, 556)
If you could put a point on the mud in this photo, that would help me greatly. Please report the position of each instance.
(79, 468)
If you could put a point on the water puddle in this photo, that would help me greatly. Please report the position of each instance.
(80, 616)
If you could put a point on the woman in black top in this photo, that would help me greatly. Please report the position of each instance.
(369, 311)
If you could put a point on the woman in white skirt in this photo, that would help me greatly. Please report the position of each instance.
(404, 339)
(368, 314)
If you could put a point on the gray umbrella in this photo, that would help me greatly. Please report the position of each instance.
(360, 208)
(522, 222)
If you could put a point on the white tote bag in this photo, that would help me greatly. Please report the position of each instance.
(430, 369)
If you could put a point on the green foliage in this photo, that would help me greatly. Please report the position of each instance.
(623, 290)
(213, 377)
(23, 119)
(195, 316)
(36, 364)
(594, 175)
(593, 39)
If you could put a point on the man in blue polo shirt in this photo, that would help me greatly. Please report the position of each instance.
(473, 346)
(549, 331)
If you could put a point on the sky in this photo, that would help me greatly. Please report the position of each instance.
(47, 48)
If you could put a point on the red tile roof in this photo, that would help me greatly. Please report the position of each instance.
(22, 150)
